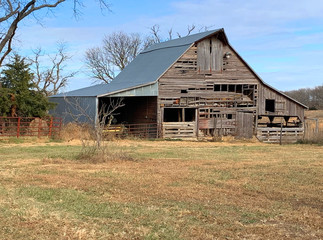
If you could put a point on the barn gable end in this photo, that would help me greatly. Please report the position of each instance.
(216, 99)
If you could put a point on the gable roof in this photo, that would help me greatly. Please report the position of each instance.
(145, 69)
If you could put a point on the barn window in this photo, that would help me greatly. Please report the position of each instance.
(173, 115)
(239, 89)
(270, 105)
(189, 114)
(217, 87)
(224, 88)
(232, 88)
(179, 114)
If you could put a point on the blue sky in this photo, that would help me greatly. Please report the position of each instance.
(282, 40)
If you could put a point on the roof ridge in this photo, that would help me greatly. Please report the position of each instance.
(147, 51)
(181, 41)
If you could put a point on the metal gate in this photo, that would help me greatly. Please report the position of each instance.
(29, 126)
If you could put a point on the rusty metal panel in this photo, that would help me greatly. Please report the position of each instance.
(208, 123)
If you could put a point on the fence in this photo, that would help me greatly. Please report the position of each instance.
(277, 135)
(147, 130)
(28, 126)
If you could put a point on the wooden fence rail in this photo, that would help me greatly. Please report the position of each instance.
(277, 135)
(29, 126)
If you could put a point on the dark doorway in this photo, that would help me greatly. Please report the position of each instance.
(179, 114)
(136, 110)
(173, 115)
(189, 114)
(270, 105)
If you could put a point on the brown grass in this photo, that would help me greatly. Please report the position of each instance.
(74, 131)
(314, 127)
(314, 114)
(175, 190)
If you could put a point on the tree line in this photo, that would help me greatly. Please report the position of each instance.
(311, 97)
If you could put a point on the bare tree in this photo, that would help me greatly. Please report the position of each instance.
(80, 113)
(99, 64)
(12, 12)
(118, 50)
(52, 79)
(156, 36)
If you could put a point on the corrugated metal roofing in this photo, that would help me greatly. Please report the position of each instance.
(188, 40)
(146, 68)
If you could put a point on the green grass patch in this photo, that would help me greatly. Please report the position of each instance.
(39, 152)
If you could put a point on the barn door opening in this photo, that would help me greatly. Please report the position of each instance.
(179, 123)
(244, 127)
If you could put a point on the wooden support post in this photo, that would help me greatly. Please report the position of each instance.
(183, 114)
(281, 131)
(221, 125)
(256, 123)
(197, 122)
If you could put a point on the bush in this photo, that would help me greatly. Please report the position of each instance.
(93, 154)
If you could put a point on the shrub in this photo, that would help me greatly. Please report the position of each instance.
(93, 154)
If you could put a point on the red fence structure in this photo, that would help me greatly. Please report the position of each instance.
(30, 127)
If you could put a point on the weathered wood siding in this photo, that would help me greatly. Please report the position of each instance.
(209, 55)
(283, 105)
(185, 85)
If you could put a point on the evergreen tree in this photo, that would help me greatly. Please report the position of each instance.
(17, 92)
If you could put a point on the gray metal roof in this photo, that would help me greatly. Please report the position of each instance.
(145, 69)
(188, 40)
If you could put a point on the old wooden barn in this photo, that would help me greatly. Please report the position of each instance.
(193, 87)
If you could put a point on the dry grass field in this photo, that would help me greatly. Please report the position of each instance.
(314, 126)
(164, 190)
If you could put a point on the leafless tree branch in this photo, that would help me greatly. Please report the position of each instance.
(103, 119)
(51, 80)
(119, 49)
(13, 12)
